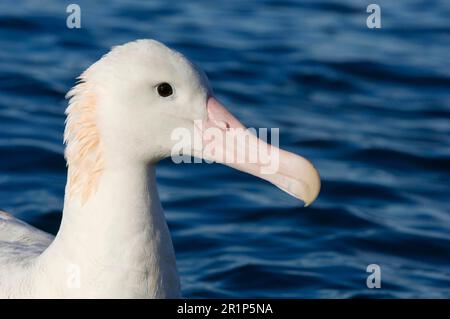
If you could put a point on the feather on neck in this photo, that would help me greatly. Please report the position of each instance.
(83, 151)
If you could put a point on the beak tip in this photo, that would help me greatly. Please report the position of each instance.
(313, 189)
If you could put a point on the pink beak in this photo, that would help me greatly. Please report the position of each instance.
(225, 140)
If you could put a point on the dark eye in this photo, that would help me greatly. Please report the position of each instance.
(164, 89)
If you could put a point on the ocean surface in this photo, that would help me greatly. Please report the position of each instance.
(370, 107)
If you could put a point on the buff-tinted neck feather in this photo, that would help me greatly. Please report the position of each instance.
(83, 146)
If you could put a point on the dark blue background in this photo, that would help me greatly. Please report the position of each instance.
(370, 108)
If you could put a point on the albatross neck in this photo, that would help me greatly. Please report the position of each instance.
(120, 234)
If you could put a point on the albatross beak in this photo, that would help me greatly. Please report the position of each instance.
(225, 140)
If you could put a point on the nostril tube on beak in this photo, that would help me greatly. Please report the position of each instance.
(221, 124)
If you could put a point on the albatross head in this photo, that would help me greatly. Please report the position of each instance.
(143, 102)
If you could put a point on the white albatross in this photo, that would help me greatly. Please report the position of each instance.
(113, 241)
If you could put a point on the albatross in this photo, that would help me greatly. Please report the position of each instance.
(113, 241)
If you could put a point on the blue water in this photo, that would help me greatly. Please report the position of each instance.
(371, 109)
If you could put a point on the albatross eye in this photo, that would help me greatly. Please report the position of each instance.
(164, 89)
